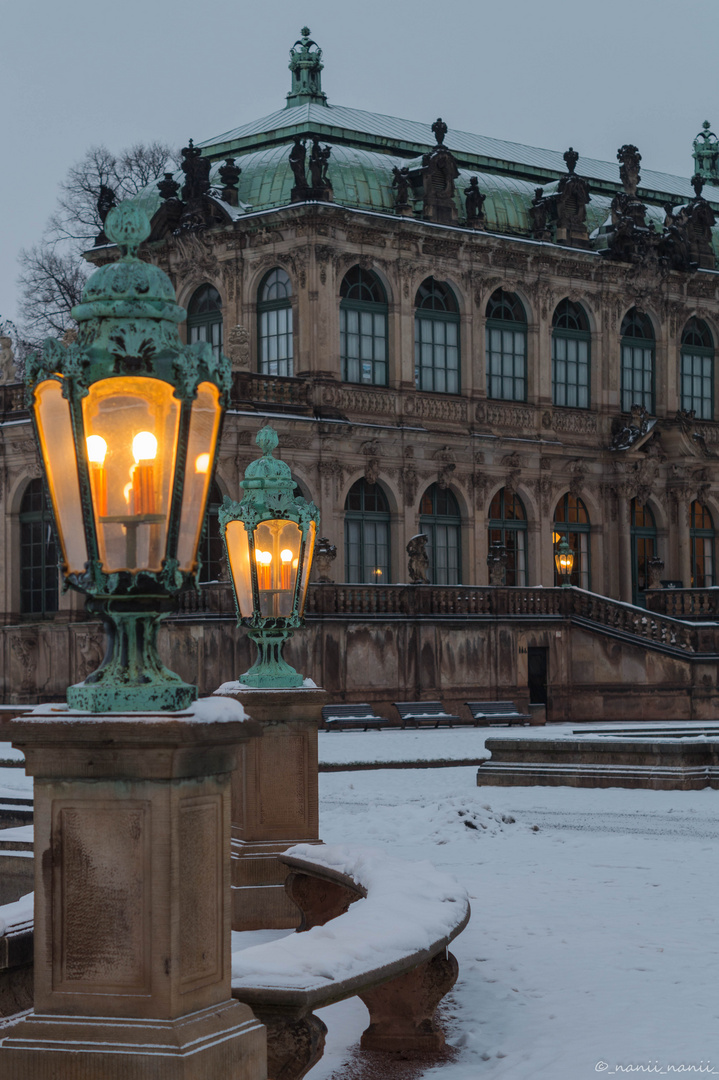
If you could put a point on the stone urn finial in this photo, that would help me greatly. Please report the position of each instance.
(325, 554)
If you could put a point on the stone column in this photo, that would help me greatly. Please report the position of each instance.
(684, 541)
(132, 899)
(274, 801)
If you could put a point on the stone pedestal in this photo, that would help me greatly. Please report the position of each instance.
(132, 899)
(274, 801)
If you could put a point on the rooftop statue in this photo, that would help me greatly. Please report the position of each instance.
(439, 171)
(570, 205)
(298, 156)
(197, 172)
(401, 181)
(474, 204)
(229, 178)
(306, 67)
(439, 130)
(538, 214)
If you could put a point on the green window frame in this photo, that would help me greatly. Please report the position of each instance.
(703, 542)
(38, 554)
(436, 339)
(571, 353)
(697, 370)
(638, 361)
(644, 547)
(211, 550)
(508, 526)
(571, 520)
(506, 347)
(441, 521)
(275, 325)
(204, 318)
(367, 535)
(363, 328)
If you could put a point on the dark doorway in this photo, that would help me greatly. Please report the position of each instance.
(537, 675)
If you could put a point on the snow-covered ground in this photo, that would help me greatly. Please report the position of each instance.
(593, 947)
(593, 942)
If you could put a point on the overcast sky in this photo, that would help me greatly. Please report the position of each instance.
(77, 73)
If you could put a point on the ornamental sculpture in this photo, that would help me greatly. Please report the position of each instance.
(439, 172)
(474, 205)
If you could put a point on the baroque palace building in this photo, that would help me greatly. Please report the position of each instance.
(485, 343)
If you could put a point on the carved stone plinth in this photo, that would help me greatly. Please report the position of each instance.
(274, 801)
(132, 899)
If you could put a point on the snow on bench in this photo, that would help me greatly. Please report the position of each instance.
(16, 976)
(377, 927)
(422, 713)
(338, 717)
(497, 712)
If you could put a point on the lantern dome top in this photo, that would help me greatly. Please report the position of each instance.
(129, 287)
(269, 468)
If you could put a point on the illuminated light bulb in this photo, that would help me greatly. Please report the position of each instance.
(96, 449)
(377, 572)
(127, 492)
(285, 570)
(202, 463)
(258, 555)
(144, 450)
(266, 558)
(144, 447)
(295, 563)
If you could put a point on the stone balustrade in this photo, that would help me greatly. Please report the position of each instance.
(684, 603)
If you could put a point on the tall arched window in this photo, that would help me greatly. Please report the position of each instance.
(366, 534)
(38, 554)
(572, 520)
(204, 318)
(570, 356)
(698, 369)
(637, 361)
(702, 542)
(506, 347)
(436, 338)
(441, 521)
(644, 547)
(211, 548)
(508, 526)
(274, 320)
(363, 328)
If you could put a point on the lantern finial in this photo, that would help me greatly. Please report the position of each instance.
(127, 226)
(267, 439)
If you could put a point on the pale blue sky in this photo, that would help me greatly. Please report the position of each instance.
(549, 73)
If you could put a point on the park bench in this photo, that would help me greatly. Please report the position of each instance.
(342, 717)
(390, 923)
(426, 714)
(16, 974)
(497, 712)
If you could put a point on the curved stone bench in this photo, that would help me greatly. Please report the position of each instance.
(16, 975)
(374, 927)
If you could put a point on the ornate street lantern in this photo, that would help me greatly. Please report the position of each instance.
(128, 421)
(270, 538)
(564, 561)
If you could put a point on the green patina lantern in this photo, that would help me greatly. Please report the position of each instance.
(128, 422)
(270, 538)
(564, 561)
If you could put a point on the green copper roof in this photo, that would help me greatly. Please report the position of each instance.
(408, 138)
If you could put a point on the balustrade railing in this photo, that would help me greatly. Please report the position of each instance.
(12, 399)
(685, 603)
(467, 601)
(271, 389)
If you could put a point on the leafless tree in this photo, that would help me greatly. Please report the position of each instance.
(53, 272)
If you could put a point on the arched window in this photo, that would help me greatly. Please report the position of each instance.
(204, 318)
(38, 553)
(440, 520)
(702, 541)
(366, 534)
(644, 547)
(363, 328)
(211, 546)
(570, 356)
(506, 342)
(436, 338)
(572, 520)
(274, 319)
(698, 369)
(637, 361)
(508, 526)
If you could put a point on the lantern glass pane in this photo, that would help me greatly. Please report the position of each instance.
(277, 554)
(54, 425)
(204, 425)
(309, 553)
(238, 552)
(131, 428)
